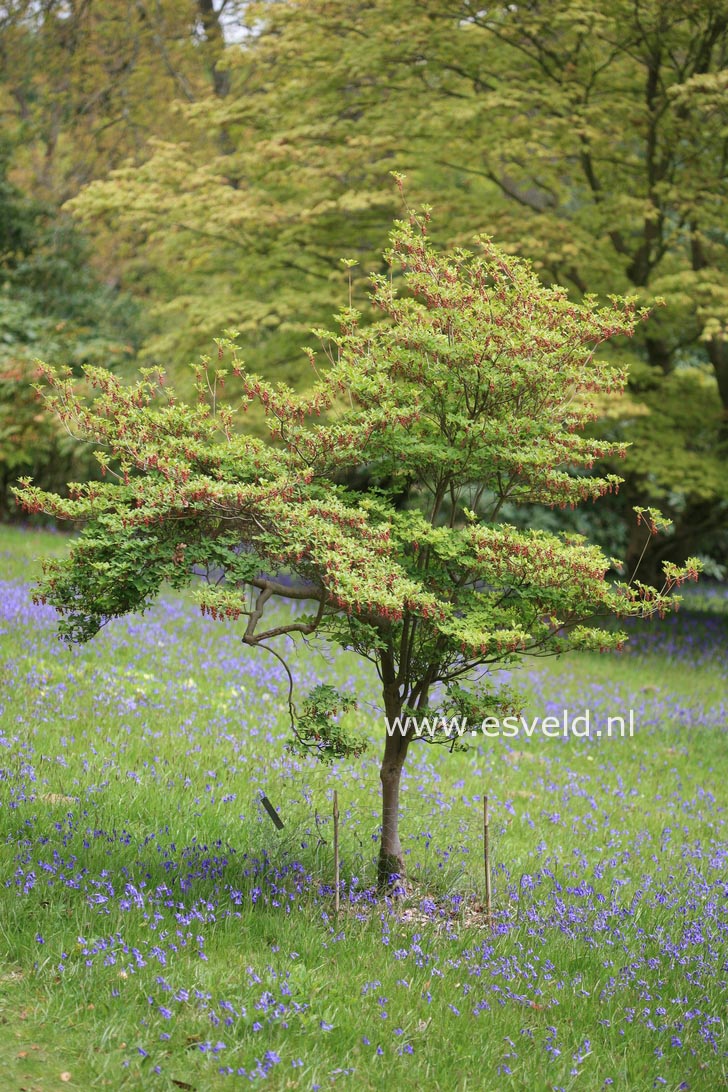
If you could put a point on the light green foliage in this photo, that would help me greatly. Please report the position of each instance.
(480, 384)
(588, 137)
(83, 86)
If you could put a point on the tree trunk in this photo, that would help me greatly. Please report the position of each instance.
(717, 348)
(660, 354)
(391, 861)
(216, 40)
(718, 353)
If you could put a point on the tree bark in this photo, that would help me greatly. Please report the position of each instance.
(659, 354)
(717, 347)
(391, 860)
(216, 39)
(718, 354)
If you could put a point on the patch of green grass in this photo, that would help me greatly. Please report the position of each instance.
(22, 551)
(157, 932)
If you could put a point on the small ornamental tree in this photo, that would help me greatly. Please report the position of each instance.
(473, 391)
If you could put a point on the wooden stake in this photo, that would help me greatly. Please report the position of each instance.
(486, 857)
(336, 853)
(277, 821)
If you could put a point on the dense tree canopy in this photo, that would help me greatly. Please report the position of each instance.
(84, 84)
(475, 392)
(589, 137)
(225, 156)
(53, 305)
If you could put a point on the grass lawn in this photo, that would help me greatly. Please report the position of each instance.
(157, 932)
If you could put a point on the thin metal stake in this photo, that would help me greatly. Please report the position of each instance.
(486, 856)
(336, 853)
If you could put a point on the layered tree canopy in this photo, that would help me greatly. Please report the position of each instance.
(474, 393)
(225, 156)
(589, 137)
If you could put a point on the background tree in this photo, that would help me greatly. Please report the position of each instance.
(83, 87)
(587, 136)
(51, 304)
(476, 390)
(84, 84)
